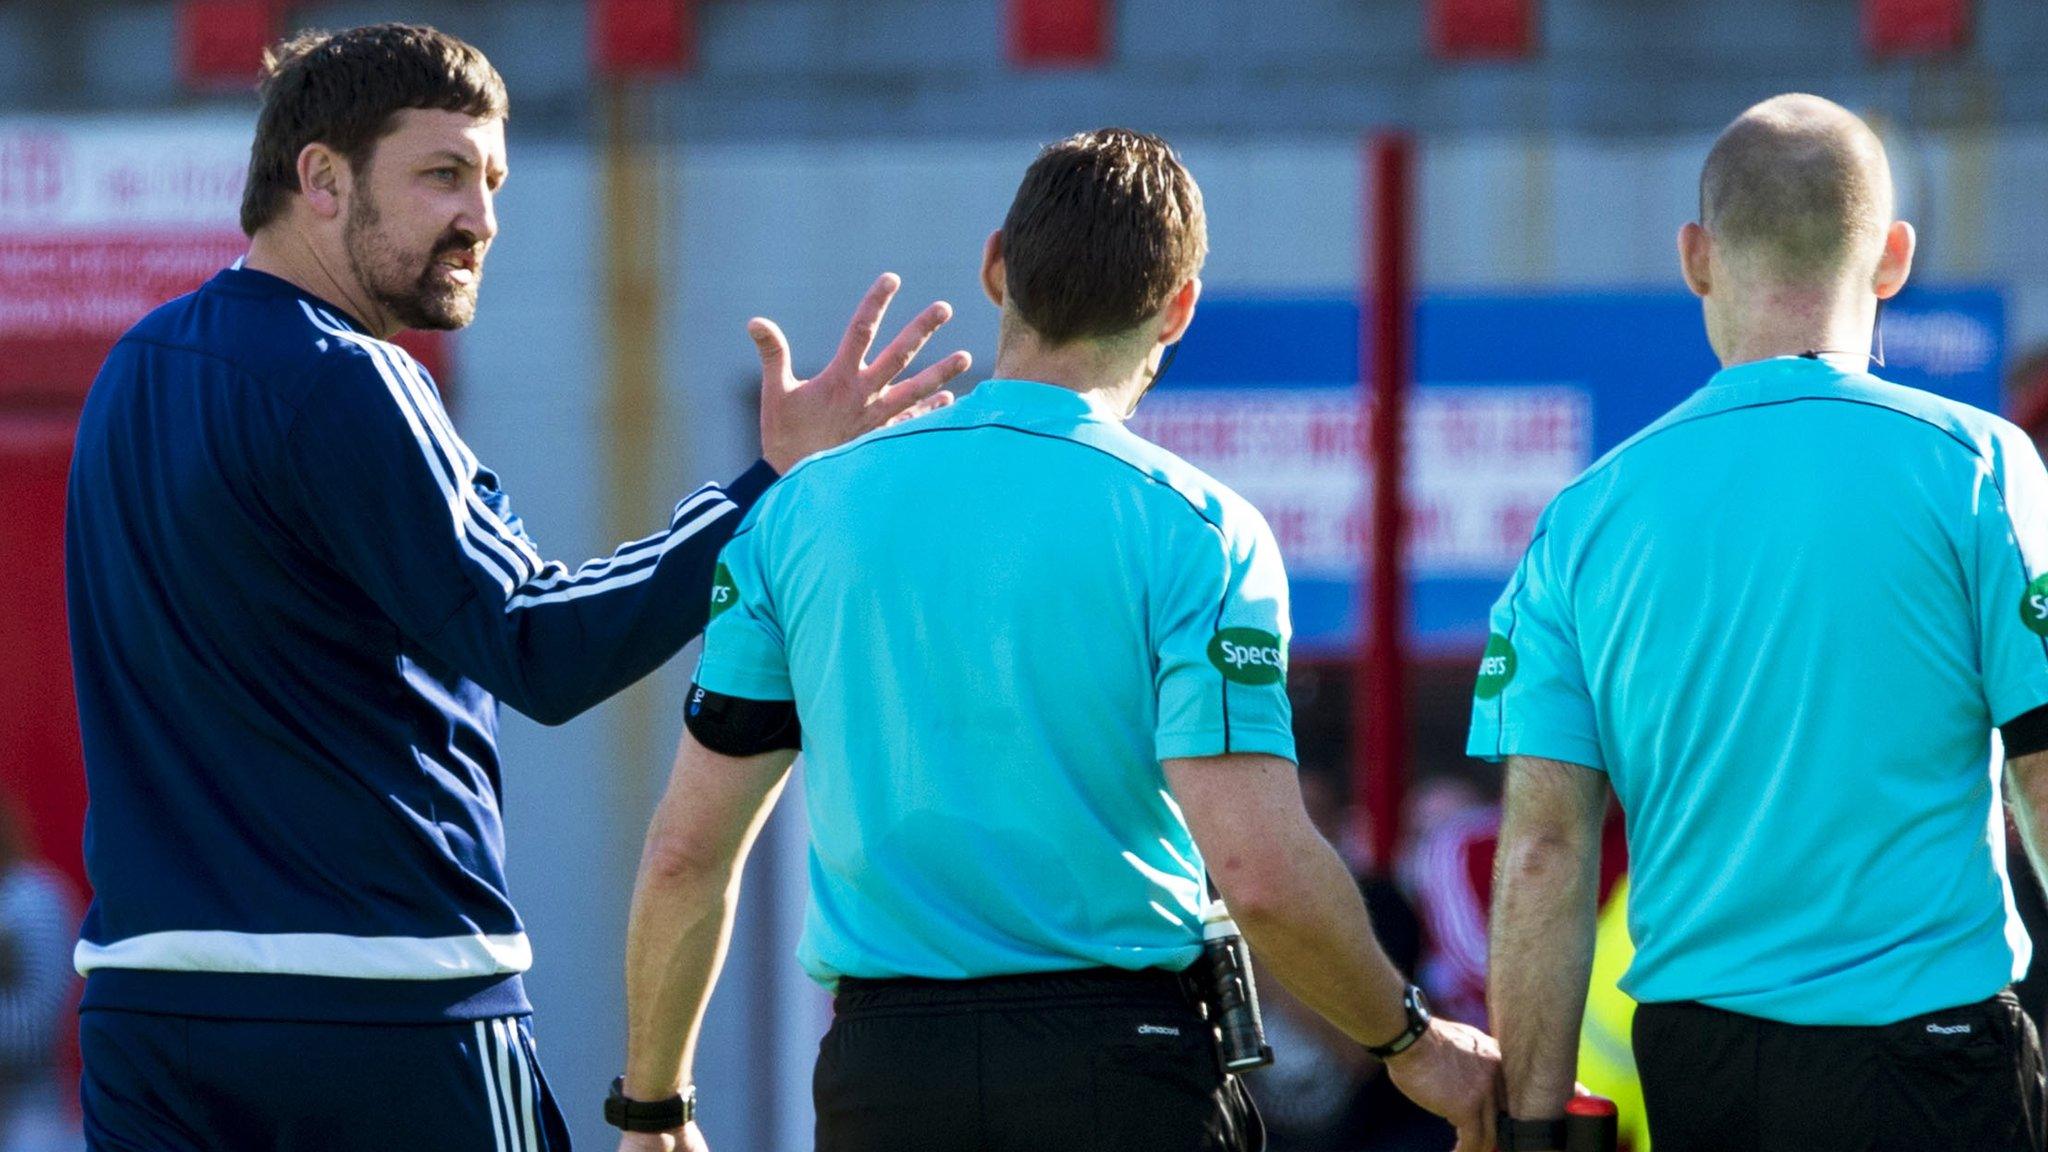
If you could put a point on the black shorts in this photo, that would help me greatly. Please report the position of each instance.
(1962, 1078)
(1094, 1061)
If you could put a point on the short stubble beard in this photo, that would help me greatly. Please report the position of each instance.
(410, 297)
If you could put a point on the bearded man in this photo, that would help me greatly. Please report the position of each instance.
(296, 600)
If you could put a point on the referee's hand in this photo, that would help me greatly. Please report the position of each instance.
(1454, 1071)
(686, 1139)
(851, 396)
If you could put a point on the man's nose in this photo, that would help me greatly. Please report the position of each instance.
(480, 216)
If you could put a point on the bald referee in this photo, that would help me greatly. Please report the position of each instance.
(1040, 669)
(1799, 625)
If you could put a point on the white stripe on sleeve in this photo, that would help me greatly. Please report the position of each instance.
(642, 549)
(502, 565)
(682, 532)
(428, 403)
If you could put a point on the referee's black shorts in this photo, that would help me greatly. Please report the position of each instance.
(1093, 1061)
(1965, 1078)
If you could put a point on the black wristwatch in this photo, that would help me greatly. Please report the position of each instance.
(1418, 1022)
(1530, 1135)
(649, 1115)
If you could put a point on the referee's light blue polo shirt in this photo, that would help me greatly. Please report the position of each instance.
(1784, 619)
(996, 621)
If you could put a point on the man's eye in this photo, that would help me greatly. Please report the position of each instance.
(444, 175)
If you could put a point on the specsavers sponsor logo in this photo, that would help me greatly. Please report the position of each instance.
(1496, 667)
(2034, 606)
(1248, 656)
(724, 593)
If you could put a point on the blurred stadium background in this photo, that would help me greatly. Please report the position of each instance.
(680, 165)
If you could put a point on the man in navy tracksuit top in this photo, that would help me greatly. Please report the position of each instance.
(296, 599)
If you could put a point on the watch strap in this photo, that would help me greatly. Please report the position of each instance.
(629, 1115)
(1418, 1024)
(1531, 1135)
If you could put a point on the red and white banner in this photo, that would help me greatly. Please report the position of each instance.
(100, 221)
(1482, 463)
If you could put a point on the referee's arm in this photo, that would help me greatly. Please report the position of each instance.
(1546, 896)
(684, 901)
(737, 746)
(2009, 588)
(2026, 790)
(1301, 910)
(1532, 709)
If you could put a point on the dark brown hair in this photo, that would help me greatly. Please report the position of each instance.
(1106, 226)
(342, 89)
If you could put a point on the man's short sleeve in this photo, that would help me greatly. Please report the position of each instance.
(1531, 697)
(2010, 508)
(1221, 630)
(744, 654)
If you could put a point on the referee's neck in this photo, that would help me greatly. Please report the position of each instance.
(1769, 322)
(1112, 378)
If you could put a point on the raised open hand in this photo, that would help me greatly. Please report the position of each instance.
(850, 396)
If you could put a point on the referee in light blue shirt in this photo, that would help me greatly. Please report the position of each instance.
(1788, 623)
(1037, 667)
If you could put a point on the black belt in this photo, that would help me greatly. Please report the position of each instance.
(1149, 985)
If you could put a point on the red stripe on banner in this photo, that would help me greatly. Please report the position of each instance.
(642, 37)
(1059, 33)
(221, 42)
(41, 767)
(65, 297)
(1916, 27)
(1482, 29)
(49, 373)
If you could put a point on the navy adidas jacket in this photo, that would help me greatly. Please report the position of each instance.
(296, 600)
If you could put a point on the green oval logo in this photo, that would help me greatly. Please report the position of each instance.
(1496, 667)
(2034, 606)
(724, 593)
(1248, 656)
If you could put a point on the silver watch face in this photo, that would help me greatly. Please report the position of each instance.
(1421, 1002)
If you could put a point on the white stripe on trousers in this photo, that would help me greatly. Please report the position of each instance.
(483, 1057)
(526, 1085)
(500, 1050)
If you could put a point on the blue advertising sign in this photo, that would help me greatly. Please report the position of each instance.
(1516, 394)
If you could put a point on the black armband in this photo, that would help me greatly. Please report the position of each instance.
(733, 726)
(2026, 734)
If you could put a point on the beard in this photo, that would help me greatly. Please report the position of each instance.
(407, 284)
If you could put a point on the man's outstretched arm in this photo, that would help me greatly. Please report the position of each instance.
(380, 485)
(1301, 911)
(1546, 892)
(683, 906)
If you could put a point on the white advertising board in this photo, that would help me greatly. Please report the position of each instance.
(1482, 463)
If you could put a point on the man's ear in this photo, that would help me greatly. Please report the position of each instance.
(994, 276)
(323, 179)
(1179, 311)
(1896, 263)
(1695, 258)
